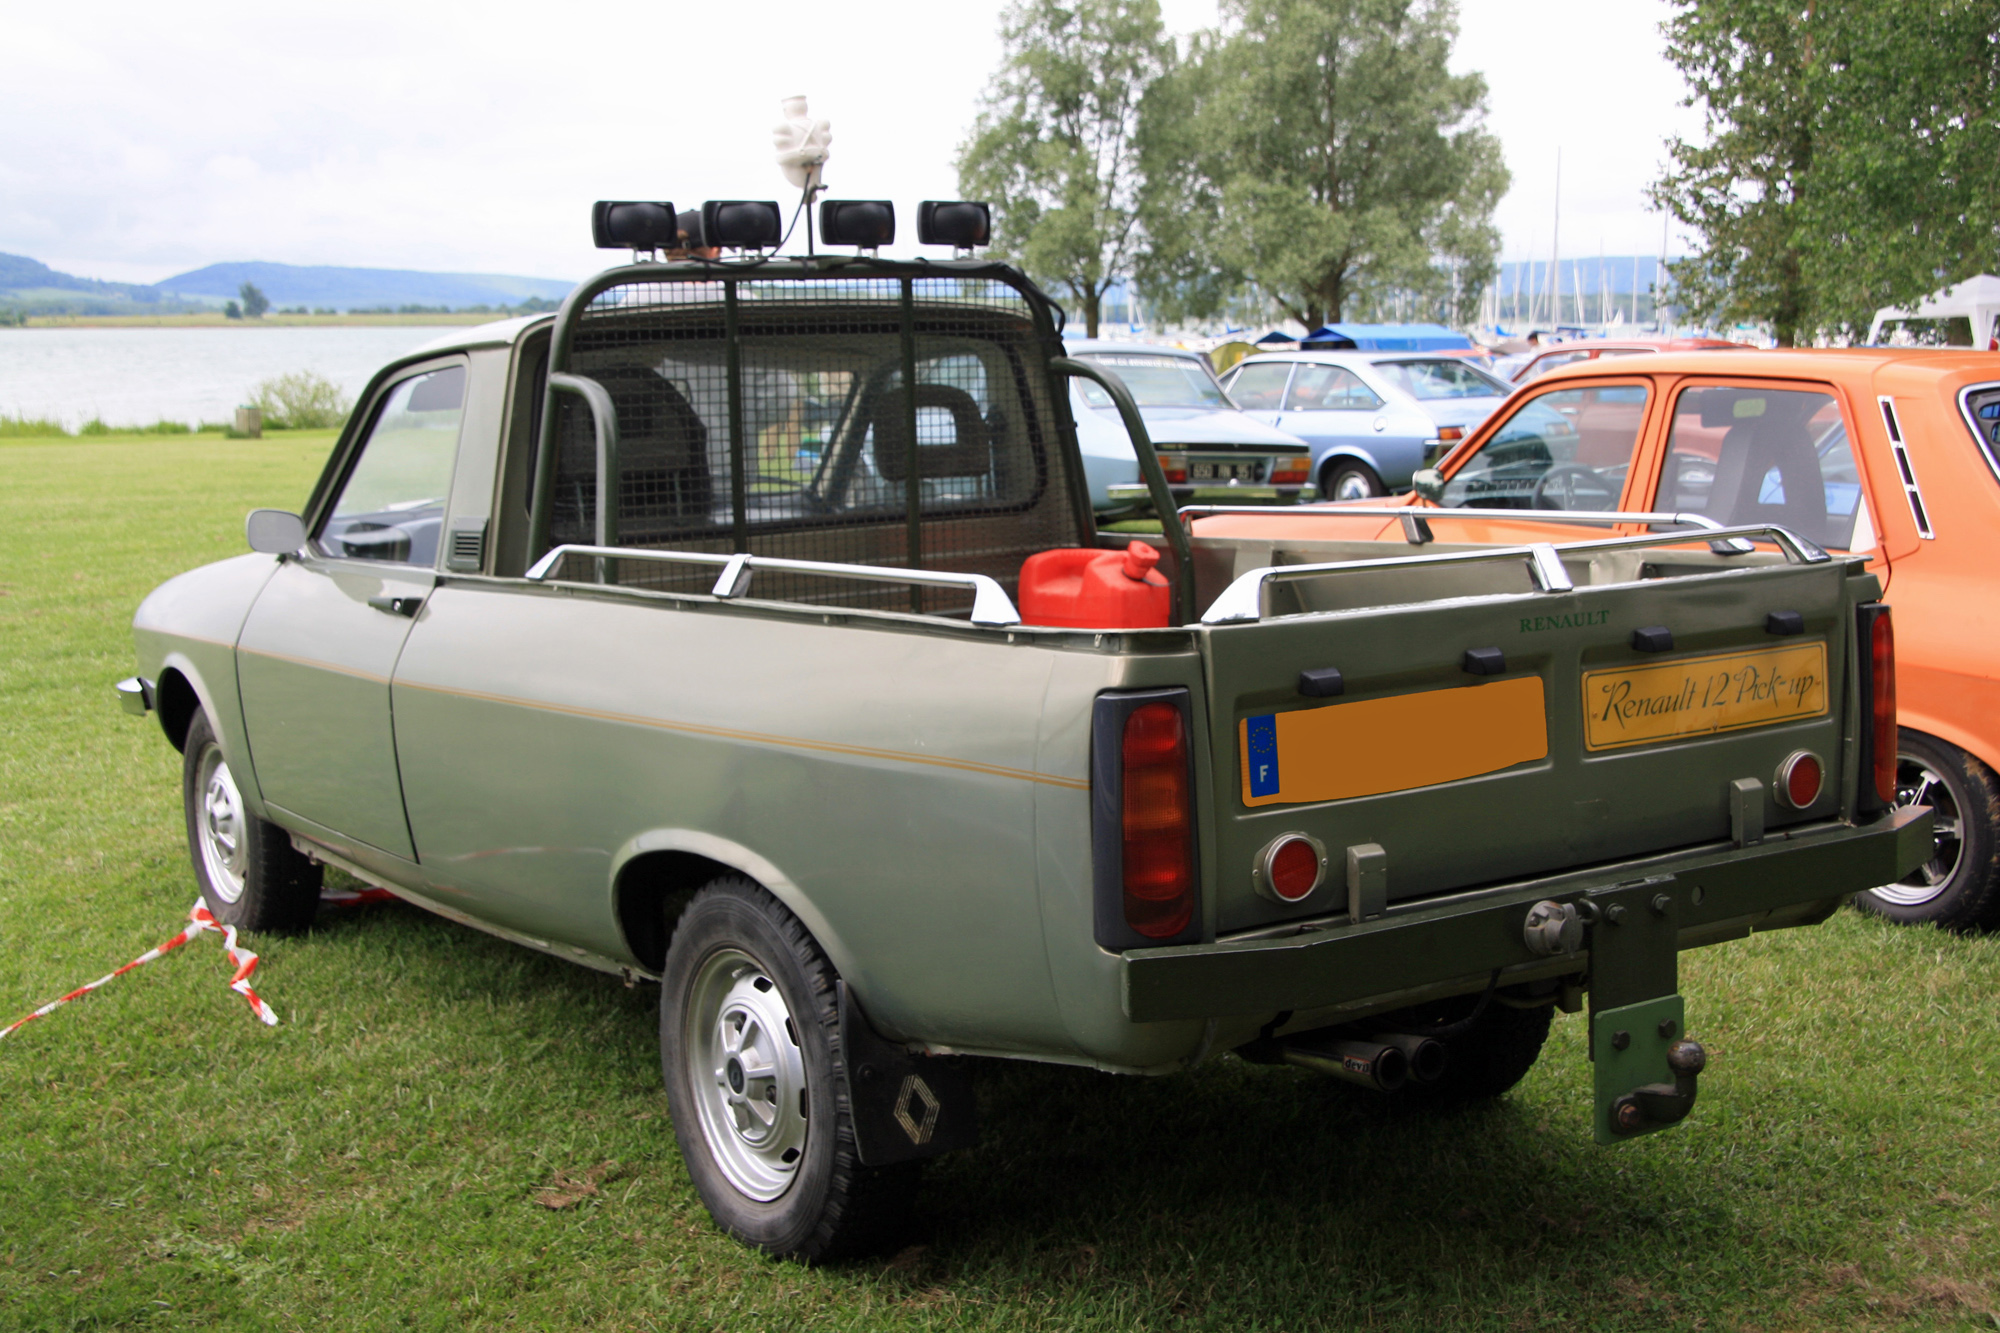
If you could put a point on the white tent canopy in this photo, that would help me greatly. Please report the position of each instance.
(1933, 322)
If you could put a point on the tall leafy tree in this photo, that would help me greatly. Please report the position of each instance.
(1851, 157)
(1320, 153)
(1055, 147)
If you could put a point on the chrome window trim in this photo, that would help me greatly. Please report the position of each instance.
(1987, 448)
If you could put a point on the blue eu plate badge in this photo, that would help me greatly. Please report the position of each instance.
(1261, 736)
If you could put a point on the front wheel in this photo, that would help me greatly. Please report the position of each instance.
(249, 874)
(751, 1049)
(1959, 887)
(1347, 479)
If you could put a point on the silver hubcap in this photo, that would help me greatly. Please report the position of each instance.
(221, 826)
(1352, 486)
(748, 1074)
(1917, 784)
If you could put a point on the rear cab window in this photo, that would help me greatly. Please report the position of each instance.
(1570, 449)
(1751, 453)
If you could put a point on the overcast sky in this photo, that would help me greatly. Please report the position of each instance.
(139, 140)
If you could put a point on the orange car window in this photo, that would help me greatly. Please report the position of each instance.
(1566, 450)
(1758, 455)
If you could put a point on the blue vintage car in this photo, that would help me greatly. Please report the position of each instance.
(1372, 418)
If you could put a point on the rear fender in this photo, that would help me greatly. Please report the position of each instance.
(727, 856)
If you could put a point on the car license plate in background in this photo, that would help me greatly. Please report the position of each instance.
(1209, 470)
(1699, 696)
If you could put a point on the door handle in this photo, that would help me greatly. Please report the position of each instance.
(398, 606)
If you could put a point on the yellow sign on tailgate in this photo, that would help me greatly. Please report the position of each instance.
(1699, 696)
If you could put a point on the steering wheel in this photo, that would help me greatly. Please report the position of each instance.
(1566, 480)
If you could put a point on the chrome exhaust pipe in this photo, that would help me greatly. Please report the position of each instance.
(1427, 1055)
(1380, 1065)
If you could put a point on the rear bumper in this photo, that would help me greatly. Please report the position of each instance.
(1719, 893)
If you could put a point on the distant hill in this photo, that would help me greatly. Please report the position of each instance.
(359, 288)
(32, 287)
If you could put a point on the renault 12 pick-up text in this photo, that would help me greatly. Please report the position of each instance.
(743, 626)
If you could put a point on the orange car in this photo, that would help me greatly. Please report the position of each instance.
(1893, 454)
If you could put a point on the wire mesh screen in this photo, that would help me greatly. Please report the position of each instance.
(778, 416)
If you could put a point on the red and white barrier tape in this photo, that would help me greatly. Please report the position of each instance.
(199, 920)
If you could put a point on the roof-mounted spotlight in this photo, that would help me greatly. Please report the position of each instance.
(867, 223)
(961, 223)
(737, 224)
(631, 225)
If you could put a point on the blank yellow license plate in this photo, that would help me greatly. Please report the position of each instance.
(1700, 696)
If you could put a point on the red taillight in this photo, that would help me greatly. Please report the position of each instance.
(1158, 852)
(1882, 672)
(1451, 434)
(1800, 778)
(1175, 466)
(1290, 471)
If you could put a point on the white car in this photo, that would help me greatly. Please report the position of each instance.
(1208, 448)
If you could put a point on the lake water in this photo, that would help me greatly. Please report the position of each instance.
(138, 376)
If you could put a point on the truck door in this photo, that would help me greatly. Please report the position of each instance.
(319, 647)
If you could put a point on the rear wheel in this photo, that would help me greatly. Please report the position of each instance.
(750, 1046)
(1348, 479)
(1959, 887)
(249, 874)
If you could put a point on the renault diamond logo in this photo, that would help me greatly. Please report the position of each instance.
(918, 1126)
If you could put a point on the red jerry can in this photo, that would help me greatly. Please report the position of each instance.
(1086, 589)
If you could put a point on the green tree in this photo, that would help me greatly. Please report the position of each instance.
(1318, 153)
(1851, 157)
(1055, 146)
(231, 310)
(255, 303)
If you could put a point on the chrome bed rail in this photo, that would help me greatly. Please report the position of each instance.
(1244, 600)
(990, 603)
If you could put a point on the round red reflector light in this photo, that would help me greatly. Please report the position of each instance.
(1800, 778)
(1292, 868)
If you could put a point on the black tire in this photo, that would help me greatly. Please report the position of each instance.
(1487, 1059)
(249, 874)
(1355, 475)
(741, 962)
(1959, 887)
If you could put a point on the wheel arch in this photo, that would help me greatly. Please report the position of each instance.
(654, 874)
(1941, 729)
(176, 701)
(1331, 460)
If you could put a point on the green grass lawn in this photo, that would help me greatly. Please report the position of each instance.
(376, 1160)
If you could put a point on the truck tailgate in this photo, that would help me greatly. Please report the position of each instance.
(1488, 737)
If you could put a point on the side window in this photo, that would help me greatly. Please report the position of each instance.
(392, 504)
(1329, 389)
(1755, 455)
(1259, 386)
(1566, 450)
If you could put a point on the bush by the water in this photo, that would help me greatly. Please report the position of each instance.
(302, 400)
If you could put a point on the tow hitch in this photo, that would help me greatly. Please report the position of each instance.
(1645, 1067)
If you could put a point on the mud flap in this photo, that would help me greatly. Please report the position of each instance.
(904, 1106)
(1645, 1068)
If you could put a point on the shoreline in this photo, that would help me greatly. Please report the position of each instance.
(216, 320)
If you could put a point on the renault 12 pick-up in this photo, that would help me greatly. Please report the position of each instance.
(744, 626)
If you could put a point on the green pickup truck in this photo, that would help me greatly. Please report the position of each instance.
(744, 626)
